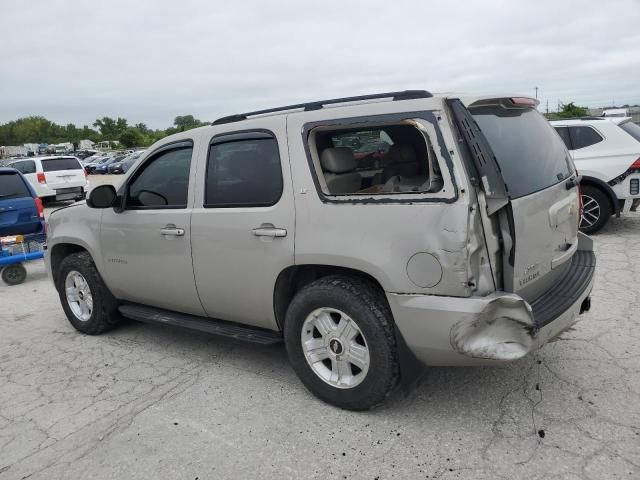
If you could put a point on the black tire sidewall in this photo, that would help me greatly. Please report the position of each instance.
(103, 304)
(605, 208)
(382, 373)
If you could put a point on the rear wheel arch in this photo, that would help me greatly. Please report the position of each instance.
(292, 279)
(608, 191)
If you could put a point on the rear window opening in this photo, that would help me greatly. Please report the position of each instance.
(375, 160)
(530, 154)
(63, 163)
(12, 186)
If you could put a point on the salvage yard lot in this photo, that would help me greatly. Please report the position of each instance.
(148, 402)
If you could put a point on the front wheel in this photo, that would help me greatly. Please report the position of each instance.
(340, 339)
(596, 209)
(86, 300)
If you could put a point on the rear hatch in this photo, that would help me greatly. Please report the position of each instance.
(531, 188)
(63, 172)
(18, 212)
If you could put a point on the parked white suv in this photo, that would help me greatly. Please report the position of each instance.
(372, 234)
(55, 177)
(606, 152)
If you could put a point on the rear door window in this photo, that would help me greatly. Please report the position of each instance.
(582, 137)
(632, 129)
(530, 155)
(57, 164)
(12, 186)
(244, 173)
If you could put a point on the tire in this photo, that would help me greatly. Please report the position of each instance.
(596, 209)
(336, 301)
(102, 315)
(14, 274)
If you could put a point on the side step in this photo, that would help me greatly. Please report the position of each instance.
(245, 333)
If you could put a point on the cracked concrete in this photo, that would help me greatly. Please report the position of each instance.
(146, 402)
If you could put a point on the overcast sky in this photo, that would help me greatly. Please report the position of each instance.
(148, 61)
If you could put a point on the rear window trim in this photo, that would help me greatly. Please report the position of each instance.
(431, 116)
(46, 160)
(572, 173)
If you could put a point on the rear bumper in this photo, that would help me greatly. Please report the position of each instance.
(497, 328)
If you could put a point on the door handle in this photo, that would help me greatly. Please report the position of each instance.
(269, 230)
(171, 229)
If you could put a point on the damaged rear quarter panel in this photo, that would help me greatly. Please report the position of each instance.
(379, 234)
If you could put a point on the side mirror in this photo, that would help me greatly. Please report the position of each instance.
(101, 197)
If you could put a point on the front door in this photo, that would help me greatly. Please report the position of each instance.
(147, 245)
(243, 226)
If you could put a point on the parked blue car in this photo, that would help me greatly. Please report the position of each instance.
(21, 211)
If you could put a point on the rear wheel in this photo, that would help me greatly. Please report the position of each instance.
(596, 209)
(14, 274)
(86, 300)
(340, 339)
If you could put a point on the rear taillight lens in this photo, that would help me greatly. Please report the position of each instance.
(41, 178)
(635, 165)
(39, 207)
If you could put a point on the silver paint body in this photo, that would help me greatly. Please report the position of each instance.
(223, 269)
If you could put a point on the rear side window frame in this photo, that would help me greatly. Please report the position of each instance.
(239, 136)
(429, 116)
(573, 143)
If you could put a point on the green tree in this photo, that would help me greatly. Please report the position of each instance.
(110, 128)
(131, 137)
(569, 110)
(187, 122)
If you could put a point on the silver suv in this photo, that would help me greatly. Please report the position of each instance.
(371, 234)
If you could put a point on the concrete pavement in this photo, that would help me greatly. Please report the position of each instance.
(145, 402)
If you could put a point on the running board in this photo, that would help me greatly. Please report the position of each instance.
(245, 333)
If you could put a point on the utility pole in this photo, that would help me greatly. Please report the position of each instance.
(547, 106)
(536, 92)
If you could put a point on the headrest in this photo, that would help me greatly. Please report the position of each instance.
(402, 154)
(338, 160)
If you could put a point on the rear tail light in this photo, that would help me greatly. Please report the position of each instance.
(39, 207)
(41, 178)
(524, 101)
(635, 165)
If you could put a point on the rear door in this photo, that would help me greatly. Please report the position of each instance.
(18, 213)
(537, 203)
(243, 225)
(63, 172)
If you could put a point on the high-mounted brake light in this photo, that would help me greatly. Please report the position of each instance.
(41, 178)
(39, 207)
(523, 101)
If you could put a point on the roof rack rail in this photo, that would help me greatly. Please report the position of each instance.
(586, 117)
(403, 95)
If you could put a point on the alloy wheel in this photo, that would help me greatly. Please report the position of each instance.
(335, 348)
(79, 295)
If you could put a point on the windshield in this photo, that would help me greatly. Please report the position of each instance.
(632, 129)
(57, 164)
(12, 186)
(530, 153)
